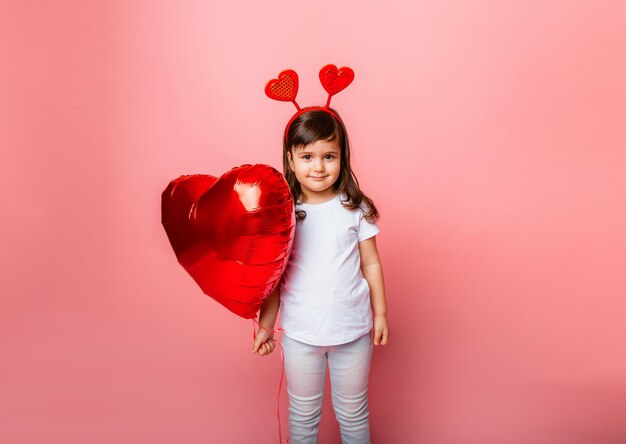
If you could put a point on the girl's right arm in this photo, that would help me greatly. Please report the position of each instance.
(263, 342)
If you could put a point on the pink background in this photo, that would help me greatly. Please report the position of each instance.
(490, 133)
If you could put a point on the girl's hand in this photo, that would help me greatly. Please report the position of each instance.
(381, 330)
(263, 342)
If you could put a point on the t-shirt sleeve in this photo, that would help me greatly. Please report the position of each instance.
(367, 229)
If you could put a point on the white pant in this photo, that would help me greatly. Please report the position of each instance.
(349, 366)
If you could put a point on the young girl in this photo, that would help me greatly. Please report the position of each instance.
(333, 279)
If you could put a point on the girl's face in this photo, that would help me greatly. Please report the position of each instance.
(317, 167)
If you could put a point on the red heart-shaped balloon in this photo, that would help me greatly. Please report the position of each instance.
(334, 80)
(232, 234)
(284, 88)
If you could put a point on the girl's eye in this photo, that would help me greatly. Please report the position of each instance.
(330, 156)
(306, 156)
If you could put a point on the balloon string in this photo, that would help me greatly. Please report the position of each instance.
(282, 373)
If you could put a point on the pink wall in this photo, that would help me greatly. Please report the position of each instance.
(490, 133)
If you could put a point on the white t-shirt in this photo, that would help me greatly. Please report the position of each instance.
(325, 299)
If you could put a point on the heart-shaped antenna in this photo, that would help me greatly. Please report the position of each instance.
(284, 88)
(335, 80)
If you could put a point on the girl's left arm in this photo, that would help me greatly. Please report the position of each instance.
(373, 272)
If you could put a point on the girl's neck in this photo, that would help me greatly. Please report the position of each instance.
(317, 198)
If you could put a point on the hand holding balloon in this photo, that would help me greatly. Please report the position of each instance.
(264, 342)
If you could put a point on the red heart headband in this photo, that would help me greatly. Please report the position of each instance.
(285, 88)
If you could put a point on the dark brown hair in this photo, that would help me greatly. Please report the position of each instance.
(309, 127)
